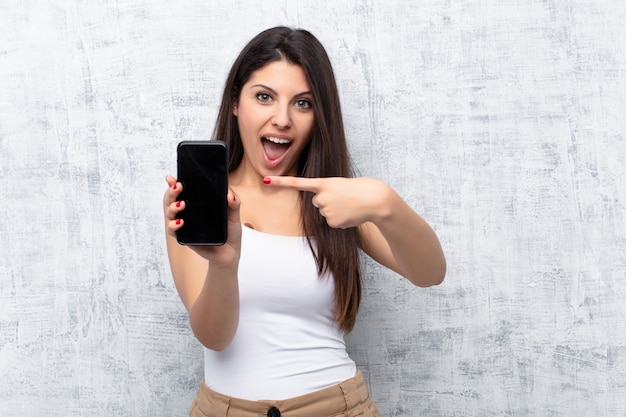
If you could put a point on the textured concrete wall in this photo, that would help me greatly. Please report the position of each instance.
(502, 122)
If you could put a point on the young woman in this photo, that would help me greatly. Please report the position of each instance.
(272, 305)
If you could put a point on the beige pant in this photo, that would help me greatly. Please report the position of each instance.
(347, 399)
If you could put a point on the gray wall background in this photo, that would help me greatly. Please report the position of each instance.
(501, 122)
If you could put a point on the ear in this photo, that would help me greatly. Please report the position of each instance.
(235, 109)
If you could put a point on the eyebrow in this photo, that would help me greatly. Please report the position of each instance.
(276, 93)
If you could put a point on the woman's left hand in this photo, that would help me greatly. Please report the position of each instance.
(344, 202)
(401, 240)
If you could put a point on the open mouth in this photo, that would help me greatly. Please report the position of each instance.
(275, 149)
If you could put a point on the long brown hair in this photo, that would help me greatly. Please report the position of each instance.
(336, 250)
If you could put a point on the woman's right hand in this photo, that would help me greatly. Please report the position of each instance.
(209, 290)
(223, 256)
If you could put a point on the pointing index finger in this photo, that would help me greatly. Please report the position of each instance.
(297, 183)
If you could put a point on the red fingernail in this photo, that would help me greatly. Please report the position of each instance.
(178, 204)
(178, 221)
(175, 184)
(267, 180)
(234, 198)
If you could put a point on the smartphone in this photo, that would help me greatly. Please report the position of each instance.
(203, 172)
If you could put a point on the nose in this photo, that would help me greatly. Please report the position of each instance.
(282, 117)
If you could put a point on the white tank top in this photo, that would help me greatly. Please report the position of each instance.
(287, 343)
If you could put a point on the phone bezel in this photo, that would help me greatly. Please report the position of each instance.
(185, 237)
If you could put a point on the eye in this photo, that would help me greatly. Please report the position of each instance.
(303, 104)
(263, 97)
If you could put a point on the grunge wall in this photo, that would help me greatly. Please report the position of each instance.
(502, 123)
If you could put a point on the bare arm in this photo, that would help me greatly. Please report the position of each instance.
(393, 234)
(206, 277)
(400, 239)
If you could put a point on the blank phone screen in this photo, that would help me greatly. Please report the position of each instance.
(202, 170)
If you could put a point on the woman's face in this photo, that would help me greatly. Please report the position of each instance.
(275, 119)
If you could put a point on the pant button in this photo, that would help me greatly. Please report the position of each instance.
(273, 412)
